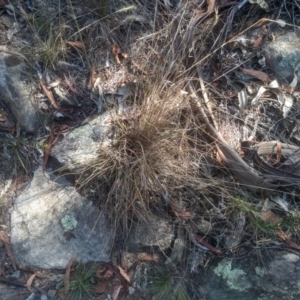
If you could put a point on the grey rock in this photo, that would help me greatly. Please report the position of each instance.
(42, 236)
(80, 147)
(156, 232)
(11, 293)
(51, 293)
(262, 275)
(17, 91)
(284, 52)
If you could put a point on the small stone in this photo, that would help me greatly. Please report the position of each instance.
(16, 274)
(51, 293)
(131, 290)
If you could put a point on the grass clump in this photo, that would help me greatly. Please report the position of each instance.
(166, 285)
(81, 286)
(155, 156)
(20, 150)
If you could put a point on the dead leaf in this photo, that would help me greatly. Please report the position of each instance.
(116, 292)
(270, 217)
(124, 274)
(147, 257)
(287, 240)
(210, 6)
(49, 95)
(92, 77)
(67, 276)
(198, 12)
(200, 239)
(183, 214)
(29, 282)
(108, 274)
(100, 287)
(258, 42)
(99, 272)
(6, 242)
(258, 74)
(71, 87)
(106, 74)
(77, 44)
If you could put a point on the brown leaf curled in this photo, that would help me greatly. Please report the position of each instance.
(29, 282)
(258, 74)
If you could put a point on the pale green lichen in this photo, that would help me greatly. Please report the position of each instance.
(68, 223)
(259, 271)
(263, 298)
(235, 278)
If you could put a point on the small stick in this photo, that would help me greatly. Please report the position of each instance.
(12, 282)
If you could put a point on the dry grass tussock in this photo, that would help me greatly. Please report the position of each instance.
(162, 149)
(155, 156)
(159, 147)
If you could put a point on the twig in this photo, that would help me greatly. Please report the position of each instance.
(204, 93)
(12, 282)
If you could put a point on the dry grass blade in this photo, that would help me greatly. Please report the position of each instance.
(77, 44)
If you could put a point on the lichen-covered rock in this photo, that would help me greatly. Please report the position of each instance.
(284, 54)
(81, 146)
(156, 232)
(262, 275)
(51, 223)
